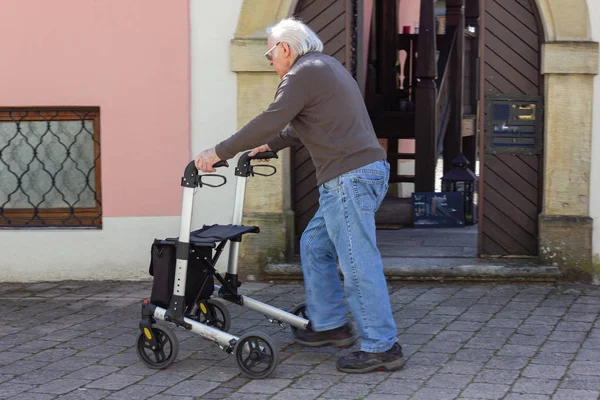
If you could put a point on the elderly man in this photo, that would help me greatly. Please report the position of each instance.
(319, 104)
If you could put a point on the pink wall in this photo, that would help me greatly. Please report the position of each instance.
(129, 57)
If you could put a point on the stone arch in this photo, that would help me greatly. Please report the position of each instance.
(569, 63)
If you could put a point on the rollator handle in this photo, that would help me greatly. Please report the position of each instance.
(265, 155)
(191, 177)
(244, 168)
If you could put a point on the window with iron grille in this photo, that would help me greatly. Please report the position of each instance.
(50, 168)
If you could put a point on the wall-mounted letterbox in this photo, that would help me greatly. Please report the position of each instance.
(514, 124)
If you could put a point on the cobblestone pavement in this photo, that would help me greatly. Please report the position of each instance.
(75, 340)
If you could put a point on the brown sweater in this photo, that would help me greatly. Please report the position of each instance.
(325, 111)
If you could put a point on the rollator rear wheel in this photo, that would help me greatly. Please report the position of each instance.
(300, 310)
(166, 351)
(215, 314)
(256, 355)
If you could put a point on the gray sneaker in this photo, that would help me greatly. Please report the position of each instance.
(360, 361)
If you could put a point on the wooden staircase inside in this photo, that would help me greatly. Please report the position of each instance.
(421, 87)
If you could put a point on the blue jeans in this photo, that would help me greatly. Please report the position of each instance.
(344, 228)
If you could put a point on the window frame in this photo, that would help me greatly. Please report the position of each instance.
(59, 217)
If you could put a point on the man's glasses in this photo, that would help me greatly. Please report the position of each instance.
(268, 53)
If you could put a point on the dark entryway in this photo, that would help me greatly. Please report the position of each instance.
(426, 99)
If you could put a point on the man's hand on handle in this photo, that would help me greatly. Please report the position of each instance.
(260, 149)
(206, 159)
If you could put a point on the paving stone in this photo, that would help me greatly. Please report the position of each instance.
(12, 389)
(295, 394)
(414, 371)
(316, 381)
(379, 396)
(496, 332)
(33, 396)
(588, 355)
(413, 338)
(307, 358)
(580, 382)
(564, 336)
(465, 326)
(454, 336)
(580, 317)
(549, 358)
(461, 368)
(546, 320)
(422, 358)
(60, 386)
(504, 323)
(479, 342)
(449, 381)
(372, 378)
(530, 329)
(585, 368)
(535, 386)
(114, 382)
(499, 376)
(485, 391)
(69, 364)
(52, 355)
(435, 393)
(438, 346)
(399, 386)
(136, 392)
(425, 328)
(519, 396)
(475, 317)
(21, 367)
(527, 340)
(37, 377)
(544, 371)
(247, 396)
(477, 355)
(7, 357)
(570, 394)
(192, 388)
(289, 371)
(503, 362)
(553, 311)
(561, 347)
(518, 351)
(265, 386)
(574, 326)
(347, 391)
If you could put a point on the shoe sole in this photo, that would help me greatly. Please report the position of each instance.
(343, 343)
(389, 366)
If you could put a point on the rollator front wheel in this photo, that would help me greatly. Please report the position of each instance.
(215, 314)
(165, 352)
(256, 355)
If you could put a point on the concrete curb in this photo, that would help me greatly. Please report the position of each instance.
(438, 269)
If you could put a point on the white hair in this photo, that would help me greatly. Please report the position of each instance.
(297, 35)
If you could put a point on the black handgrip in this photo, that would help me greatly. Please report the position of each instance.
(265, 155)
(244, 168)
(221, 163)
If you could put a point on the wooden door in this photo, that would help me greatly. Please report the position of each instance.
(511, 175)
(330, 19)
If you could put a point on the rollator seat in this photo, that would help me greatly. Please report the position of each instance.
(210, 235)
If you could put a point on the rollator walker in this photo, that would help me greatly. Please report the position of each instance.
(184, 272)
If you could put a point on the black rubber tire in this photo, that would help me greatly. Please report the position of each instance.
(299, 310)
(223, 315)
(262, 350)
(165, 337)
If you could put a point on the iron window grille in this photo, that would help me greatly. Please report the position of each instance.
(50, 167)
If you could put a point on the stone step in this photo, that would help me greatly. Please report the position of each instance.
(443, 269)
